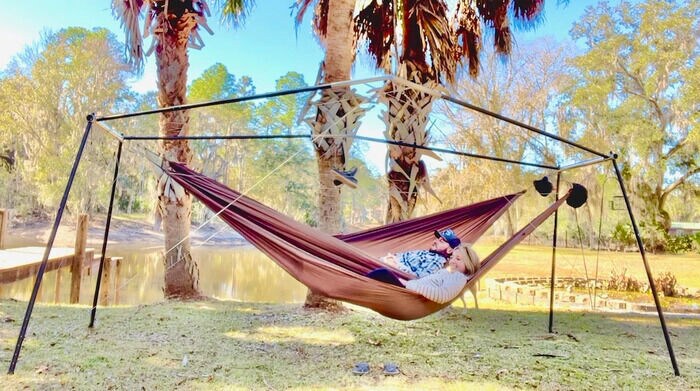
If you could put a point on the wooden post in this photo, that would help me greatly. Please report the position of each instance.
(57, 289)
(106, 281)
(4, 218)
(78, 258)
(117, 277)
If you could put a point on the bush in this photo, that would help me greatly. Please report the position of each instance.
(695, 245)
(654, 236)
(623, 234)
(666, 283)
(622, 282)
(679, 244)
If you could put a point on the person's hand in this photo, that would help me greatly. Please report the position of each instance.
(389, 259)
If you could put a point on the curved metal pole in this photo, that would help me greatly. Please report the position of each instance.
(106, 236)
(554, 260)
(49, 245)
(648, 270)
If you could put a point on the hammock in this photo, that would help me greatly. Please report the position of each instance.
(336, 266)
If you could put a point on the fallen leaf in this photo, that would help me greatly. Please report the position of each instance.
(42, 369)
(571, 336)
(548, 355)
(500, 373)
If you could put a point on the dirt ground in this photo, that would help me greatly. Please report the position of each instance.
(123, 231)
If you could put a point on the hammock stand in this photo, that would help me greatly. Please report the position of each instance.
(100, 121)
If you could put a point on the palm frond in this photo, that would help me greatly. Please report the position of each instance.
(301, 6)
(375, 24)
(128, 13)
(468, 31)
(320, 15)
(234, 12)
(528, 14)
(494, 13)
(527, 9)
(431, 19)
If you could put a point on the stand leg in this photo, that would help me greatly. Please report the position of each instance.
(554, 261)
(49, 245)
(106, 237)
(648, 270)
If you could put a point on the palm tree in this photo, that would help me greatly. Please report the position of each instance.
(174, 25)
(425, 28)
(428, 51)
(332, 123)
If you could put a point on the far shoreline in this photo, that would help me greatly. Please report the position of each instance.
(124, 232)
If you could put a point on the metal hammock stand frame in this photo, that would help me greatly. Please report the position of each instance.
(100, 121)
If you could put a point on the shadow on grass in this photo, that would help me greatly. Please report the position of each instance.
(224, 345)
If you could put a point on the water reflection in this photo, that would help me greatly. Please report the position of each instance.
(238, 273)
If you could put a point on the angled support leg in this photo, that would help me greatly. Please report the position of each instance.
(106, 236)
(659, 310)
(49, 246)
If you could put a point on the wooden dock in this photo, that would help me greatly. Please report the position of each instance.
(23, 262)
(20, 263)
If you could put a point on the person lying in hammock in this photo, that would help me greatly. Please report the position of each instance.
(443, 285)
(423, 262)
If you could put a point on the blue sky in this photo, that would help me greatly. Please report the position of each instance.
(267, 47)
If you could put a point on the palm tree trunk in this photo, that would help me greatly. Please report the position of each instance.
(174, 205)
(406, 119)
(330, 153)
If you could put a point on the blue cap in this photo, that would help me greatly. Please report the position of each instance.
(449, 236)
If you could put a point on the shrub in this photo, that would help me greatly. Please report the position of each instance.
(679, 244)
(622, 282)
(666, 283)
(654, 236)
(623, 234)
(695, 245)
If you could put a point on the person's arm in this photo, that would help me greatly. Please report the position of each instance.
(440, 287)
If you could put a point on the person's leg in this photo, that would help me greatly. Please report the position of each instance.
(384, 275)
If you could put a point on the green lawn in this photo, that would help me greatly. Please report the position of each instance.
(229, 345)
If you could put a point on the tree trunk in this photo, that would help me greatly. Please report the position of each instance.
(174, 204)
(330, 154)
(406, 119)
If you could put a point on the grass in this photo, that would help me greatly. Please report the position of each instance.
(229, 345)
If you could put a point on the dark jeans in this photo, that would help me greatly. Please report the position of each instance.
(384, 275)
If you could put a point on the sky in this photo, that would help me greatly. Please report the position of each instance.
(267, 47)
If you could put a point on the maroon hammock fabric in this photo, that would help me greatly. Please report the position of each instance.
(327, 264)
(468, 222)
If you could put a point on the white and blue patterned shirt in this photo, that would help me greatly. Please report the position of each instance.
(420, 262)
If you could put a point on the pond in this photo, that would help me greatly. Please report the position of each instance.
(235, 273)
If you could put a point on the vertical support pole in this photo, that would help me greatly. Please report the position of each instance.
(4, 218)
(49, 245)
(640, 245)
(106, 235)
(554, 260)
(76, 266)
